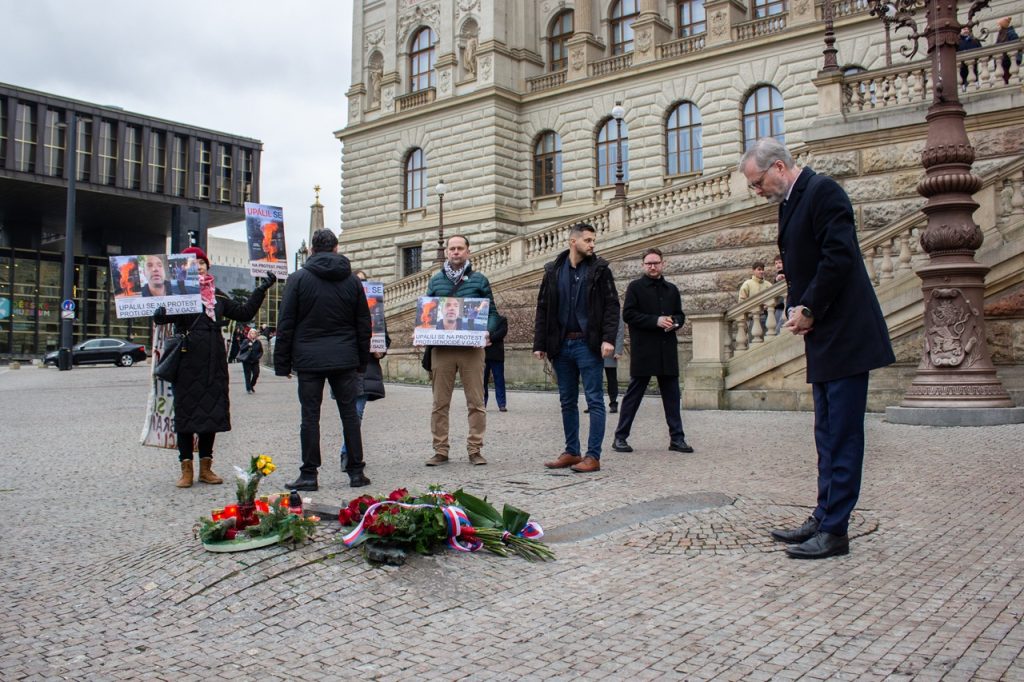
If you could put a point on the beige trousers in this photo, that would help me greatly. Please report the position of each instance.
(469, 364)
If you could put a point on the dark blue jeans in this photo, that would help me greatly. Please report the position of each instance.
(497, 368)
(345, 386)
(575, 361)
(839, 408)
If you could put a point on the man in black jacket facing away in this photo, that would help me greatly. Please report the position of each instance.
(653, 310)
(323, 334)
(576, 323)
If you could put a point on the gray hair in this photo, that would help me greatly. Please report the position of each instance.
(764, 152)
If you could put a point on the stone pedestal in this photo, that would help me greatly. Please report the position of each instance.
(649, 31)
(722, 16)
(583, 51)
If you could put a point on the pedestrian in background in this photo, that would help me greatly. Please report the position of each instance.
(611, 371)
(575, 326)
(833, 305)
(250, 351)
(201, 404)
(323, 335)
(494, 364)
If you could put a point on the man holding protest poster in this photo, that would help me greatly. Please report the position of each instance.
(458, 279)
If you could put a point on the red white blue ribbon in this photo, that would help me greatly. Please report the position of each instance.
(456, 522)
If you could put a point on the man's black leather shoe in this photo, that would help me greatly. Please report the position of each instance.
(358, 480)
(821, 546)
(620, 445)
(302, 483)
(802, 534)
(680, 446)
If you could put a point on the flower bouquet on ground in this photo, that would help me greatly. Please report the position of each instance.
(255, 522)
(390, 527)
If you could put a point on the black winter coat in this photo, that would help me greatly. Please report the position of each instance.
(324, 325)
(496, 351)
(653, 351)
(201, 393)
(254, 350)
(825, 272)
(602, 307)
(373, 380)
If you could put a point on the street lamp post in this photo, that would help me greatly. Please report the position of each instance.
(64, 355)
(620, 186)
(956, 373)
(440, 189)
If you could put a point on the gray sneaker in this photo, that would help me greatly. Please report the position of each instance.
(437, 460)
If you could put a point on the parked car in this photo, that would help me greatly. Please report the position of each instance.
(100, 351)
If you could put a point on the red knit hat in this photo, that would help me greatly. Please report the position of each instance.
(199, 254)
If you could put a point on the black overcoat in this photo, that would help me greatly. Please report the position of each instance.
(825, 272)
(201, 392)
(653, 351)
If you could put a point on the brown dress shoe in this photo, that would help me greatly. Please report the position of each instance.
(566, 459)
(588, 465)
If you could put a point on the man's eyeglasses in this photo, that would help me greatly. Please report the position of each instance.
(652, 262)
(756, 184)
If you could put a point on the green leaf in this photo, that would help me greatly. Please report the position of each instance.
(480, 512)
(513, 519)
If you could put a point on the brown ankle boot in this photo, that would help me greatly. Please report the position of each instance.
(206, 474)
(186, 474)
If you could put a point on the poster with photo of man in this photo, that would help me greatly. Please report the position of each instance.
(264, 233)
(451, 321)
(141, 284)
(375, 299)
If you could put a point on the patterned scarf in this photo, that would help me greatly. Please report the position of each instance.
(455, 275)
(207, 293)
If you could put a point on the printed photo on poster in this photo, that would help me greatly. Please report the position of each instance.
(375, 299)
(158, 429)
(141, 284)
(264, 232)
(451, 321)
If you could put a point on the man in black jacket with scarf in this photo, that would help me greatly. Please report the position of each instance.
(323, 334)
(576, 323)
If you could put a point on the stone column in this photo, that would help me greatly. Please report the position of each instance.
(722, 16)
(649, 31)
(704, 375)
(445, 67)
(583, 48)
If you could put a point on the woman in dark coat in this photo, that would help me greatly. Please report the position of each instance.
(201, 390)
(250, 351)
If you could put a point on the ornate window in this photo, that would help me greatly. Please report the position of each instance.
(608, 152)
(547, 164)
(683, 138)
(767, 8)
(421, 60)
(624, 13)
(558, 38)
(690, 18)
(415, 179)
(763, 116)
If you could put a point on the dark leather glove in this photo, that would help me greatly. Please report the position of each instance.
(160, 312)
(268, 281)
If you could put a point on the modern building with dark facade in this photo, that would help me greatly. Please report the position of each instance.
(143, 185)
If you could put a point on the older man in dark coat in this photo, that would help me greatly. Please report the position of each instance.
(832, 304)
(653, 310)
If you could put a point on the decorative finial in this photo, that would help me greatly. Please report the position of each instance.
(316, 188)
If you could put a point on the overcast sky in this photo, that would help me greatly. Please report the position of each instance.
(275, 71)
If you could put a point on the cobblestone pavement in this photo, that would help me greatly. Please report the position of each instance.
(102, 580)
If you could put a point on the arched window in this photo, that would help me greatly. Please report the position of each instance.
(608, 152)
(690, 18)
(421, 60)
(767, 8)
(561, 31)
(624, 12)
(415, 179)
(684, 140)
(763, 116)
(547, 164)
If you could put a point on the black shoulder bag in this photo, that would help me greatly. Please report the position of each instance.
(170, 359)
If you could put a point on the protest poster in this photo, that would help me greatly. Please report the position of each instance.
(158, 430)
(264, 233)
(375, 300)
(141, 284)
(451, 321)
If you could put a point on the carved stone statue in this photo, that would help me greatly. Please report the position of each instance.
(469, 57)
(376, 75)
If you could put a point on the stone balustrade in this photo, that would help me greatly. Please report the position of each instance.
(415, 99)
(681, 46)
(678, 198)
(842, 8)
(611, 65)
(910, 83)
(546, 81)
(750, 30)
